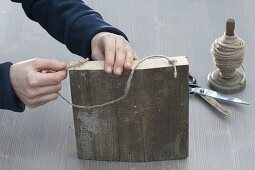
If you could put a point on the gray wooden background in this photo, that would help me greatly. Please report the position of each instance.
(44, 138)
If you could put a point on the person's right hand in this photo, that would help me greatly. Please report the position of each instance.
(37, 81)
(115, 50)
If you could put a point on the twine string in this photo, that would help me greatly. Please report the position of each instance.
(128, 83)
(228, 55)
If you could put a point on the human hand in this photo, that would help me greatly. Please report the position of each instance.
(37, 81)
(115, 50)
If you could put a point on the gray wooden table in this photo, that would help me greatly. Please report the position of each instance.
(44, 138)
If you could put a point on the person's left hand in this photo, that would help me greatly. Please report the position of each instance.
(115, 50)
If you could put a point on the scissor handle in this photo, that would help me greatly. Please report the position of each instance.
(191, 86)
(192, 80)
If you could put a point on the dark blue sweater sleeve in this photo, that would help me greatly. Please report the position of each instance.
(8, 98)
(71, 22)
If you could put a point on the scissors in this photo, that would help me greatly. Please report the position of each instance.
(210, 96)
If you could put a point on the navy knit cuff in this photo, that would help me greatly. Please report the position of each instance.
(8, 98)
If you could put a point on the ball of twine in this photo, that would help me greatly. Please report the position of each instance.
(228, 54)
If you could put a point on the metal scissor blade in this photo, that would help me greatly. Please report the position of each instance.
(216, 95)
(216, 105)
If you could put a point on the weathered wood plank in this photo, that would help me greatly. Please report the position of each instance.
(150, 124)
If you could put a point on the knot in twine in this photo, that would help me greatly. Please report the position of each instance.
(128, 83)
(228, 54)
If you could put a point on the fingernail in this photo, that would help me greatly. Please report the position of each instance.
(108, 69)
(118, 70)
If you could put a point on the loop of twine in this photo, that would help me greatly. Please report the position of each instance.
(128, 83)
(228, 55)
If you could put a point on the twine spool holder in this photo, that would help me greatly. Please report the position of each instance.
(233, 83)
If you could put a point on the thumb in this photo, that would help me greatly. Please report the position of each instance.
(97, 49)
(48, 64)
(97, 54)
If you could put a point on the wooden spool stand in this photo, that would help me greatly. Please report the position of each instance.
(231, 85)
(150, 124)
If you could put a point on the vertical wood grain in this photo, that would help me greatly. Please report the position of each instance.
(150, 124)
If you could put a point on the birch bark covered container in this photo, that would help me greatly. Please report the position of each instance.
(149, 124)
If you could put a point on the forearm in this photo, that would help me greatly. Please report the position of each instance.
(69, 21)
